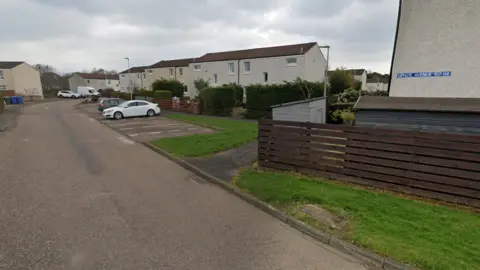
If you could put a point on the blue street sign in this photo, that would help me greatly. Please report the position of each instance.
(423, 74)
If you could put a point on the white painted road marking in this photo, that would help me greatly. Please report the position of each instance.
(125, 140)
(145, 133)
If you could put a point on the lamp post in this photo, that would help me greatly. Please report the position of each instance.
(129, 78)
(326, 70)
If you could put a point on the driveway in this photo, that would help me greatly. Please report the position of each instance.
(77, 195)
(146, 129)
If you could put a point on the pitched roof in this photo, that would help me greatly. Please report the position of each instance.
(173, 63)
(358, 71)
(9, 65)
(97, 76)
(469, 105)
(134, 70)
(265, 52)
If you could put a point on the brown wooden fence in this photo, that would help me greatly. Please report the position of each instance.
(433, 165)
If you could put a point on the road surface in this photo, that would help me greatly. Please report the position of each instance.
(76, 195)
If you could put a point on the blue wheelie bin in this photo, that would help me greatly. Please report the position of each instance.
(14, 100)
(20, 100)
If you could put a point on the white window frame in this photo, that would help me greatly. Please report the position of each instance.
(2, 76)
(215, 79)
(171, 71)
(245, 71)
(185, 90)
(123, 75)
(180, 71)
(197, 67)
(291, 64)
(231, 68)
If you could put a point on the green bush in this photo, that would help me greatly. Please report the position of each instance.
(176, 87)
(261, 97)
(162, 95)
(218, 100)
(378, 93)
(122, 95)
(349, 95)
(340, 79)
(144, 94)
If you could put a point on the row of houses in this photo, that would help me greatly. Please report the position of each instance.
(243, 67)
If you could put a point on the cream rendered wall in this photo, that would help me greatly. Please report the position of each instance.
(377, 86)
(101, 84)
(27, 80)
(315, 65)
(138, 81)
(7, 79)
(438, 36)
(276, 67)
(165, 73)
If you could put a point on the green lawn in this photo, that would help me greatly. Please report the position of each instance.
(230, 134)
(422, 234)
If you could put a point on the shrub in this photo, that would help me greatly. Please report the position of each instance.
(122, 95)
(162, 95)
(349, 95)
(357, 85)
(218, 100)
(176, 87)
(339, 80)
(200, 84)
(379, 93)
(261, 97)
(144, 93)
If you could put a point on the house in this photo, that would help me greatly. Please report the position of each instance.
(98, 81)
(261, 65)
(377, 82)
(436, 49)
(53, 81)
(135, 79)
(359, 75)
(19, 78)
(177, 69)
(447, 115)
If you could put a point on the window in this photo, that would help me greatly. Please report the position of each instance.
(132, 104)
(141, 103)
(150, 72)
(123, 75)
(292, 61)
(185, 90)
(246, 66)
(265, 77)
(215, 78)
(231, 67)
(180, 70)
(171, 72)
(88, 81)
(138, 76)
(3, 88)
(1, 75)
(144, 75)
(109, 82)
(197, 67)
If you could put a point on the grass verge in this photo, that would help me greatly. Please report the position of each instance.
(414, 232)
(230, 134)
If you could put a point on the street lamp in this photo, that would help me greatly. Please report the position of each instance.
(129, 77)
(326, 70)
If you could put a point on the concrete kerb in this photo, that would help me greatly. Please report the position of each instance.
(359, 253)
(326, 238)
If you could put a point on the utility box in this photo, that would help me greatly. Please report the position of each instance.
(309, 110)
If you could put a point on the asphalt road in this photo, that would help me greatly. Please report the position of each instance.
(76, 195)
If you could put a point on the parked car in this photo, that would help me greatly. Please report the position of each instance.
(132, 108)
(86, 91)
(67, 94)
(109, 103)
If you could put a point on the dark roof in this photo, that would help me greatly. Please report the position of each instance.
(134, 70)
(285, 50)
(173, 63)
(9, 65)
(97, 76)
(418, 104)
(377, 77)
(296, 102)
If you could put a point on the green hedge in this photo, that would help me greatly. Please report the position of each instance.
(122, 95)
(162, 95)
(218, 100)
(261, 97)
(176, 87)
(144, 94)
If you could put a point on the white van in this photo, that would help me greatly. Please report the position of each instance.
(86, 91)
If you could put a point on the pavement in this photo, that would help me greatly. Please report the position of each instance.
(77, 195)
(146, 129)
(9, 116)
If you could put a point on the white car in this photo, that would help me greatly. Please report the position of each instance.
(132, 108)
(67, 94)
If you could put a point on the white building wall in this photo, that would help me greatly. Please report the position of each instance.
(138, 81)
(377, 87)
(182, 74)
(315, 65)
(438, 36)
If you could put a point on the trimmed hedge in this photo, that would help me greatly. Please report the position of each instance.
(176, 87)
(143, 94)
(261, 97)
(122, 95)
(218, 100)
(162, 95)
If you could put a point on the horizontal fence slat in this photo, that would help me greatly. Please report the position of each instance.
(272, 138)
(378, 154)
(300, 124)
(300, 163)
(318, 158)
(300, 150)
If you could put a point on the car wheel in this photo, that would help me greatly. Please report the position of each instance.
(118, 115)
(150, 113)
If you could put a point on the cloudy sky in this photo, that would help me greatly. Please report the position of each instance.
(74, 35)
